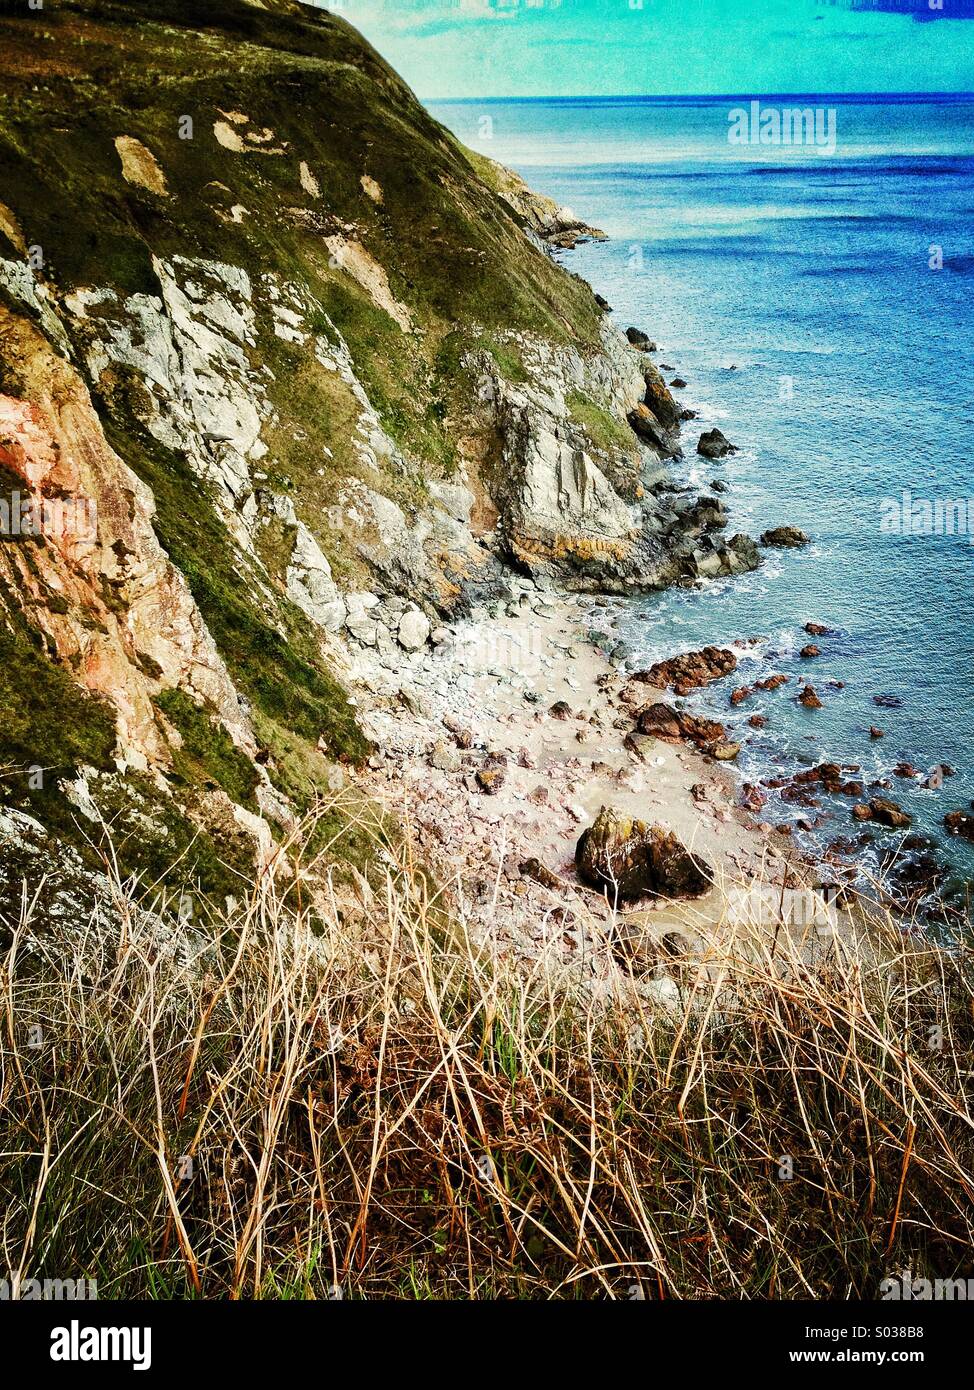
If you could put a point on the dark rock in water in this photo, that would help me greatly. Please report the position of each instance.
(905, 770)
(739, 695)
(678, 383)
(916, 875)
(713, 444)
(640, 340)
(886, 812)
(785, 538)
(689, 670)
(603, 304)
(844, 845)
(809, 698)
(628, 859)
(757, 721)
(876, 733)
(646, 427)
(660, 401)
(888, 701)
(718, 486)
(676, 726)
(960, 823)
(819, 630)
(771, 682)
(688, 414)
(809, 650)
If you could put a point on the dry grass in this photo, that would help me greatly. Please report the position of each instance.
(373, 1109)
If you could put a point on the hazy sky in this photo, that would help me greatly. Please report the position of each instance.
(476, 48)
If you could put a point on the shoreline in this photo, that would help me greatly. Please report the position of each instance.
(496, 783)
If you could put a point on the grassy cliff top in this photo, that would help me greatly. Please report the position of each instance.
(294, 86)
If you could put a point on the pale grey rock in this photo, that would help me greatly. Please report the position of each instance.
(362, 628)
(446, 757)
(414, 629)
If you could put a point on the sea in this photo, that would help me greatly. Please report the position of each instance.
(818, 299)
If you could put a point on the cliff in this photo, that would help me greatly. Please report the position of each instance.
(286, 375)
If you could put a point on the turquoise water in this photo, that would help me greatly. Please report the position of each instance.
(794, 291)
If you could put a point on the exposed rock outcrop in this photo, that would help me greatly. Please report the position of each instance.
(689, 670)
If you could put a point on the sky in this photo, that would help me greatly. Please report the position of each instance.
(522, 48)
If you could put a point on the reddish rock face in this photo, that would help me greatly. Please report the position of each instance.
(876, 733)
(126, 624)
(660, 401)
(627, 859)
(689, 670)
(771, 682)
(757, 721)
(740, 695)
(809, 699)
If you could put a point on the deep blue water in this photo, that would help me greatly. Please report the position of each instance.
(794, 291)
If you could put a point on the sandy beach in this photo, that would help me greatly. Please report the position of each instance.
(482, 703)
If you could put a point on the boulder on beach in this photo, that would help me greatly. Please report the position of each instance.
(533, 868)
(677, 726)
(714, 444)
(628, 859)
(785, 538)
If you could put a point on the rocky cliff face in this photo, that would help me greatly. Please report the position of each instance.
(284, 373)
